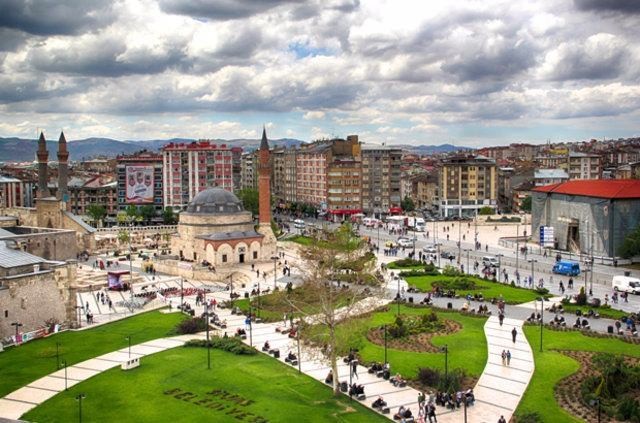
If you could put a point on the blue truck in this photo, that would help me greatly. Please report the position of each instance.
(567, 268)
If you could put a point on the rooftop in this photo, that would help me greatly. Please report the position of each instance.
(598, 188)
(550, 174)
(10, 257)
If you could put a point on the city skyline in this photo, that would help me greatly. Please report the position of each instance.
(469, 74)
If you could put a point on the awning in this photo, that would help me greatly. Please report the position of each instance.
(395, 209)
(345, 211)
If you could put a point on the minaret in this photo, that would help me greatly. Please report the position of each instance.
(268, 249)
(264, 178)
(63, 167)
(43, 173)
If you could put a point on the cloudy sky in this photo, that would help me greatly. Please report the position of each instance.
(473, 73)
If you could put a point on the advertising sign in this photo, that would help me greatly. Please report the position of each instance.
(547, 236)
(139, 180)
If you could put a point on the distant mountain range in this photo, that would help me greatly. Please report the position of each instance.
(24, 150)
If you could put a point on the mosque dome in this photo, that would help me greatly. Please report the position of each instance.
(215, 201)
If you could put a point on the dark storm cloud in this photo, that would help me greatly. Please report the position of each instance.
(53, 17)
(11, 39)
(38, 88)
(220, 10)
(618, 6)
(104, 57)
(577, 62)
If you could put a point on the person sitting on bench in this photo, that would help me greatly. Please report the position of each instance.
(577, 324)
(329, 379)
(379, 403)
(400, 414)
(585, 324)
(593, 314)
(470, 398)
(266, 347)
(291, 357)
(397, 380)
(375, 368)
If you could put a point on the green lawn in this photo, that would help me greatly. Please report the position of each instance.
(608, 313)
(511, 295)
(26, 363)
(175, 386)
(467, 347)
(552, 366)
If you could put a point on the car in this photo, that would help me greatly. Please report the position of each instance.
(447, 255)
(490, 261)
(405, 242)
(626, 284)
(430, 249)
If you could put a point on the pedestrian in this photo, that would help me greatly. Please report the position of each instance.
(284, 320)
(502, 420)
(432, 413)
(501, 318)
(508, 357)
(421, 400)
(354, 368)
(504, 357)
(514, 332)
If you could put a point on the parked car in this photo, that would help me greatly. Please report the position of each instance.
(405, 242)
(567, 268)
(626, 284)
(430, 249)
(447, 255)
(490, 261)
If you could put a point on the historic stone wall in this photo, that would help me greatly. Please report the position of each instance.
(36, 298)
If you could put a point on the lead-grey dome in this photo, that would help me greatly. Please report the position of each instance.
(215, 201)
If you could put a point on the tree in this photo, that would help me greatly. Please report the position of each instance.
(147, 212)
(132, 212)
(123, 236)
(249, 198)
(122, 218)
(168, 216)
(485, 211)
(328, 304)
(407, 204)
(526, 204)
(97, 213)
(631, 245)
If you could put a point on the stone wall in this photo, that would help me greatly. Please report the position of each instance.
(36, 298)
(49, 244)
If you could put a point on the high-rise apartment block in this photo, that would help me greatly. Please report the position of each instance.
(381, 177)
(140, 180)
(467, 184)
(189, 168)
(248, 172)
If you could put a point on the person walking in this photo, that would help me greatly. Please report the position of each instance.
(514, 333)
(432, 413)
(504, 357)
(508, 357)
(501, 318)
(354, 368)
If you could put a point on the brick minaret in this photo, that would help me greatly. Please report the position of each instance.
(268, 249)
(264, 181)
(63, 167)
(43, 171)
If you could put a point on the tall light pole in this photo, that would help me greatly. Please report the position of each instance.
(275, 261)
(64, 363)
(79, 398)
(385, 343)
(459, 237)
(57, 355)
(438, 246)
(131, 264)
(398, 299)
(248, 320)
(533, 275)
(467, 251)
(299, 355)
(206, 317)
(517, 246)
(541, 319)
(128, 338)
(499, 266)
(181, 294)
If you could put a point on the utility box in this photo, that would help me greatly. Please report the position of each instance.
(130, 364)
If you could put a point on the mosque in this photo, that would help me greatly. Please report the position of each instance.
(215, 230)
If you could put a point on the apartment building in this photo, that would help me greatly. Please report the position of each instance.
(236, 167)
(544, 177)
(248, 172)
(584, 166)
(344, 178)
(12, 192)
(311, 173)
(381, 176)
(189, 168)
(139, 180)
(467, 184)
(98, 190)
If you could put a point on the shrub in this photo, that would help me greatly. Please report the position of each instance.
(451, 271)
(542, 291)
(407, 262)
(460, 283)
(581, 298)
(232, 345)
(436, 378)
(628, 409)
(194, 325)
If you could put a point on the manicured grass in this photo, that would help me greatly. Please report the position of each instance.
(467, 347)
(26, 363)
(277, 393)
(510, 294)
(608, 313)
(552, 366)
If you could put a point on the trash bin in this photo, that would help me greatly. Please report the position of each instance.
(450, 306)
(411, 299)
(609, 329)
(276, 354)
(246, 295)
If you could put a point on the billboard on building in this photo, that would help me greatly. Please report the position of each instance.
(139, 180)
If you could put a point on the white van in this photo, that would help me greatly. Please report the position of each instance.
(626, 284)
(490, 261)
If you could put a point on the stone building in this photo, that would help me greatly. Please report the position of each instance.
(34, 291)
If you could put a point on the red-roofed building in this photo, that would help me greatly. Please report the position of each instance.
(588, 216)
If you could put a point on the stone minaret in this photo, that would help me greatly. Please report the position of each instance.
(264, 199)
(63, 167)
(43, 171)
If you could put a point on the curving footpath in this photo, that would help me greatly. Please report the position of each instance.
(498, 391)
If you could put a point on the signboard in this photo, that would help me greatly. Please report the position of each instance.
(547, 236)
(139, 183)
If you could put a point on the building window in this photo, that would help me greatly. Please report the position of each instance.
(224, 258)
(255, 255)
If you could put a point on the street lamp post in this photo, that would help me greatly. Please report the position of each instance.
(586, 271)
(129, 340)
(206, 317)
(181, 293)
(438, 245)
(398, 294)
(79, 398)
(468, 250)
(57, 355)
(446, 361)
(459, 238)
(275, 261)
(64, 363)
(533, 275)
(131, 265)
(499, 266)
(17, 325)
(248, 321)
(385, 344)
(517, 247)
(541, 319)
(299, 355)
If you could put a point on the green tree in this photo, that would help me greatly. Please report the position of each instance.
(122, 218)
(631, 245)
(249, 198)
(168, 216)
(407, 204)
(526, 204)
(97, 213)
(147, 212)
(132, 212)
(486, 211)
(123, 236)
